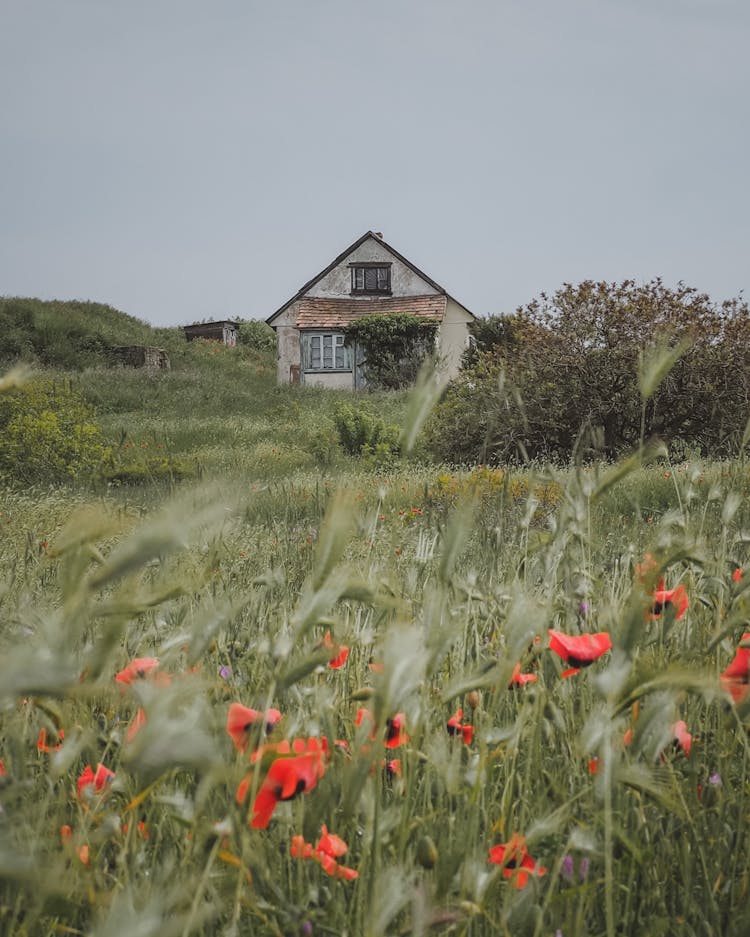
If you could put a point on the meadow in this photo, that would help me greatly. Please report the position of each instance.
(213, 687)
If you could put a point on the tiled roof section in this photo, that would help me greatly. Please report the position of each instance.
(320, 313)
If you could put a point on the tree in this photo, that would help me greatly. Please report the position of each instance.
(567, 370)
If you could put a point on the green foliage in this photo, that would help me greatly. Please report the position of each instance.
(75, 334)
(493, 333)
(48, 435)
(393, 346)
(362, 433)
(138, 470)
(600, 367)
(255, 334)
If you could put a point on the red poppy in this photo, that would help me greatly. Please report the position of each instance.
(286, 779)
(516, 862)
(455, 728)
(393, 768)
(665, 598)
(328, 849)
(3, 772)
(521, 679)
(737, 574)
(365, 716)
(137, 669)
(736, 677)
(241, 721)
(395, 734)
(41, 742)
(682, 738)
(99, 778)
(340, 652)
(579, 650)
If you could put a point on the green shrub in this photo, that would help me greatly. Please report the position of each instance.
(256, 335)
(362, 433)
(145, 469)
(48, 434)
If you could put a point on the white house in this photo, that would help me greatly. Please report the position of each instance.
(369, 277)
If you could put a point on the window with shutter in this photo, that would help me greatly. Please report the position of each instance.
(371, 278)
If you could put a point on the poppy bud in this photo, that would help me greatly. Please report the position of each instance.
(365, 692)
(473, 699)
(427, 854)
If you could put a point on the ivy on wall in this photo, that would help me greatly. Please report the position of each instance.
(392, 347)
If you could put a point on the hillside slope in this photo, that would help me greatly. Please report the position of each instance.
(73, 334)
(217, 408)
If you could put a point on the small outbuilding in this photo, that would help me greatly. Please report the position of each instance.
(141, 356)
(369, 277)
(225, 331)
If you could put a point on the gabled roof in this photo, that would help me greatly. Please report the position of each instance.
(344, 254)
(316, 312)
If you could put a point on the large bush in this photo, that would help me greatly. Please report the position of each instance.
(563, 374)
(48, 434)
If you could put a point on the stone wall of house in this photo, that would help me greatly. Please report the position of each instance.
(336, 380)
(287, 349)
(338, 283)
(452, 339)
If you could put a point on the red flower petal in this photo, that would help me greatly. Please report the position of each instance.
(521, 679)
(99, 778)
(579, 650)
(241, 720)
(137, 669)
(41, 742)
(288, 777)
(677, 598)
(736, 678)
(395, 734)
(681, 735)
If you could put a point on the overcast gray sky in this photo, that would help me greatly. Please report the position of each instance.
(182, 159)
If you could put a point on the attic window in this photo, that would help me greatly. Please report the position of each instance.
(371, 278)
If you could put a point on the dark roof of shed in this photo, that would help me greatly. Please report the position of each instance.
(208, 325)
(342, 256)
(319, 313)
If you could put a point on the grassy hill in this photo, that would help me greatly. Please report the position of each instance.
(217, 411)
(74, 334)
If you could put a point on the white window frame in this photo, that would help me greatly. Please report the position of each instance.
(325, 352)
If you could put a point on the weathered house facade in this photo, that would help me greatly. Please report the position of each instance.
(369, 277)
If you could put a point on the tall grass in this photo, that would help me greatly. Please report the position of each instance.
(445, 581)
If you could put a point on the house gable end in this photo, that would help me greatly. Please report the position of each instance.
(334, 281)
